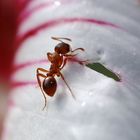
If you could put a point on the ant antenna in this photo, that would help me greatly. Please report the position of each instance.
(59, 39)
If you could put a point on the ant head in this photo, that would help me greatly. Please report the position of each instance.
(62, 48)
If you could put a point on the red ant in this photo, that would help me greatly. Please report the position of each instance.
(62, 52)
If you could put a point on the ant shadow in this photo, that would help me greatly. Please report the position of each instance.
(61, 98)
(71, 72)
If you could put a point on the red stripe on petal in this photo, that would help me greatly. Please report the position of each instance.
(28, 64)
(56, 22)
(19, 84)
(28, 13)
(24, 65)
(48, 4)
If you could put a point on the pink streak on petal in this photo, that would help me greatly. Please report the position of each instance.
(57, 22)
(22, 83)
(10, 103)
(24, 65)
(49, 4)
(27, 14)
(28, 64)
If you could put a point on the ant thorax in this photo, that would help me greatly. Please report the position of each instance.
(55, 58)
(54, 69)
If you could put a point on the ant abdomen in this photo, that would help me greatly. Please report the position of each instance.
(50, 85)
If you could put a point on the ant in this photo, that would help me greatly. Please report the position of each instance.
(58, 59)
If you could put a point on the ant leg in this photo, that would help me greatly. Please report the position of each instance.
(59, 38)
(68, 57)
(82, 49)
(67, 85)
(50, 56)
(79, 61)
(82, 62)
(64, 63)
(42, 70)
(39, 82)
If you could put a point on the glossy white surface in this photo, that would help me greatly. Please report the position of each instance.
(104, 109)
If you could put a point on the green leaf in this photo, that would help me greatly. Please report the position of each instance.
(103, 70)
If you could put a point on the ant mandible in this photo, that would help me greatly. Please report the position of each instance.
(58, 59)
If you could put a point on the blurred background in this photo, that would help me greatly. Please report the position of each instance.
(10, 11)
